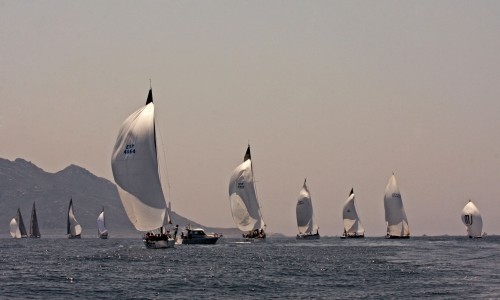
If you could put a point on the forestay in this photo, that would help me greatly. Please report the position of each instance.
(395, 216)
(135, 169)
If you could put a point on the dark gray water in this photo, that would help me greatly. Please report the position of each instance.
(437, 267)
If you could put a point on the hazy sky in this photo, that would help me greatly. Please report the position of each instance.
(341, 92)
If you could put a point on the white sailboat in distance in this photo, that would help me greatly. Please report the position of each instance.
(305, 215)
(395, 216)
(134, 162)
(471, 217)
(245, 206)
(352, 223)
(16, 226)
(74, 229)
(102, 232)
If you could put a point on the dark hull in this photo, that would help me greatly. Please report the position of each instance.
(308, 236)
(396, 237)
(199, 241)
(72, 237)
(352, 236)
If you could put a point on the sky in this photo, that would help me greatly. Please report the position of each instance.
(343, 93)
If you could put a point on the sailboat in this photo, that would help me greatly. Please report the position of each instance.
(74, 230)
(17, 229)
(352, 224)
(471, 217)
(34, 230)
(102, 232)
(305, 215)
(134, 162)
(395, 216)
(245, 207)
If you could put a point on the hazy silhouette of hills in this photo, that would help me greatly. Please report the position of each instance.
(22, 183)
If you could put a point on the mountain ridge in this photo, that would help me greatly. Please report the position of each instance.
(22, 183)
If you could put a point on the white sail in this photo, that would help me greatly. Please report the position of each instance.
(304, 212)
(243, 198)
(352, 223)
(395, 216)
(101, 225)
(135, 169)
(74, 228)
(471, 217)
(14, 229)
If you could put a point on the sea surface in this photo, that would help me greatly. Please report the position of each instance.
(279, 268)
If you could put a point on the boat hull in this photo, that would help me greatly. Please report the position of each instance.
(308, 236)
(357, 236)
(396, 237)
(198, 241)
(159, 244)
(103, 236)
(74, 237)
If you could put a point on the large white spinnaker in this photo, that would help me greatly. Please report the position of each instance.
(304, 212)
(352, 223)
(395, 216)
(471, 217)
(14, 229)
(135, 169)
(74, 228)
(243, 198)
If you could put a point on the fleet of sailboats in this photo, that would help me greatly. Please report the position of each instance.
(134, 164)
(243, 200)
(102, 232)
(308, 229)
(395, 216)
(74, 230)
(352, 224)
(471, 217)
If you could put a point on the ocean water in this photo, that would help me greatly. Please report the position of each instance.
(279, 268)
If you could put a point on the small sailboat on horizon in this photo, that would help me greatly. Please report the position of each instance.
(245, 207)
(102, 232)
(352, 223)
(395, 215)
(305, 215)
(17, 229)
(34, 230)
(74, 229)
(471, 217)
(135, 166)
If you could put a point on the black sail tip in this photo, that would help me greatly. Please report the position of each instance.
(352, 191)
(247, 154)
(150, 97)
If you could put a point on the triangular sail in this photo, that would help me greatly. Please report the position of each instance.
(34, 230)
(101, 223)
(14, 229)
(471, 217)
(135, 169)
(395, 216)
(74, 228)
(20, 223)
(352, 223)
(304, 212)
(245, 207)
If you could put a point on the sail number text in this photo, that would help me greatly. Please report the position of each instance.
(129, 149)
